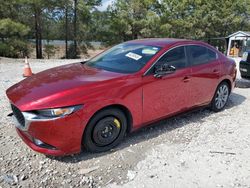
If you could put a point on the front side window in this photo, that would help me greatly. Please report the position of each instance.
(175, 57)
(200, 55)
(124, 58)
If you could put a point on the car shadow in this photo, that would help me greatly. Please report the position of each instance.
(235, 100)
(156, 129)
(242, 83)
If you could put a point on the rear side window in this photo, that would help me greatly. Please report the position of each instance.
(175, 57)
(200, 55)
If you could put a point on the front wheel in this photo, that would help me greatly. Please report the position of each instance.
(221, 97)
(105, 130)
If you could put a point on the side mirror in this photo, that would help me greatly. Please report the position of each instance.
(163, 70)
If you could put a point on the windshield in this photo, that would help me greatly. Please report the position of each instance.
(124, 58)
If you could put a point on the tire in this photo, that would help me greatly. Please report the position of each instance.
(220, 97)
(105, 130)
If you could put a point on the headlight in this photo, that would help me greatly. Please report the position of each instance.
(57, 112)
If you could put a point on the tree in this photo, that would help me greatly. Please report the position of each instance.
(8, 9)
(75, 27)
(12, 43)
(81, 22)
(66, 10)
(77, 15)
(133, 19)
(38, 9)
(202, 19)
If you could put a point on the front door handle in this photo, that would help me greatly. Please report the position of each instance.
(186, 78)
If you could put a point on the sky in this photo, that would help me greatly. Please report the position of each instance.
(105, 4)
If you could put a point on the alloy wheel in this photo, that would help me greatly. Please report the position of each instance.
(221, 96)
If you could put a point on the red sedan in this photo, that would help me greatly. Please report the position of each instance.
(93, 104)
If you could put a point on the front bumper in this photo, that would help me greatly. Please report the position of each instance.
(61, 136)
(36, 148)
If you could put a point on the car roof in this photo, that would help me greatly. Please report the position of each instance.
(161, 42)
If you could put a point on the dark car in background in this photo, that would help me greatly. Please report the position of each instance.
(245, 65)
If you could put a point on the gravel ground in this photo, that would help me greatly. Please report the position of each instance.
(195, 149)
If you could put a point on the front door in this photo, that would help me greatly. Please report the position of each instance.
(170, 93)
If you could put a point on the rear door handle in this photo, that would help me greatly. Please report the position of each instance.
(186, 78)
(216, 71)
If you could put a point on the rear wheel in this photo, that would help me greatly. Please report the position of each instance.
(221, 97)
(105, 130)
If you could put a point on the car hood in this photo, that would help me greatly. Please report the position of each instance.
(61, 86)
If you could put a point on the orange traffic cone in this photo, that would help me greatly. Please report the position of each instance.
(27, 70)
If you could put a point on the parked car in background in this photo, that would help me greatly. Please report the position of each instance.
(245, 65)
(93, 104)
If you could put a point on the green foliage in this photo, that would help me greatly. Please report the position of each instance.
(124, 20)
(134, 19)
(12, 39)
(49, 50)
(198, 19)
(84, 32)
(9, 28)
(193, 19)
(14, 48)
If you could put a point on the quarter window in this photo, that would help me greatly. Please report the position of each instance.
(175, 57)
(201, 55)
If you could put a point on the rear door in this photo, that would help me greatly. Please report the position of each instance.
(205, 73)
(170, 93)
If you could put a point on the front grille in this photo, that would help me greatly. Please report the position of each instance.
(18, 114)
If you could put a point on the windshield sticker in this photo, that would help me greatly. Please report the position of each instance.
(133, 56)
(149, 51)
